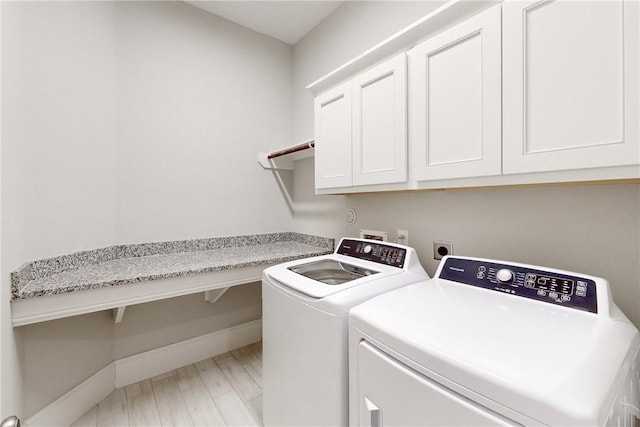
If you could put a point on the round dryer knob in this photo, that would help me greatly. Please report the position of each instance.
(367, 249)
(505, 276)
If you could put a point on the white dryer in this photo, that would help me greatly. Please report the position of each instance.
(305, 305)
(494, 343)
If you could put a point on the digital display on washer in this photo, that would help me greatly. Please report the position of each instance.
(549, 283)
(389, 254)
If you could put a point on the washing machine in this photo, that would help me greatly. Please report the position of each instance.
(494, 343)
(305, 305)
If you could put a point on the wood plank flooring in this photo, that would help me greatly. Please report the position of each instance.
(222, 391)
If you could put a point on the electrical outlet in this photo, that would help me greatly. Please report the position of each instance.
(402, 237)
(441, 249)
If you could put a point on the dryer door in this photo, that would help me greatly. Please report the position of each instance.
(391, 394)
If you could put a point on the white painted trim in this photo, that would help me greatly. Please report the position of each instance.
(70, 406)
(155, 362)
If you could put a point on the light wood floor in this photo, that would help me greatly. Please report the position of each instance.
(222, 391)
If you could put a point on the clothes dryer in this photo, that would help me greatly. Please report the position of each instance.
(494, 343)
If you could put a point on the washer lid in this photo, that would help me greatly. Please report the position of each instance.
(550, 363)
(331, 271)
(310, 276)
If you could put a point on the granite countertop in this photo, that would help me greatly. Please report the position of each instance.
(129, 264)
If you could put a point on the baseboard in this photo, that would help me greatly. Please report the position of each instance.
(145, 365)
(69, 407)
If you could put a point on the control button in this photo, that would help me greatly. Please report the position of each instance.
(529, 284)
(582, 288)
(480, 275)
(581, 293)
(581, 283)
(542, 293)
(482, 269)
(530, 276)
(367, 249)
(504, 276)
(553, 295)
(565, 298)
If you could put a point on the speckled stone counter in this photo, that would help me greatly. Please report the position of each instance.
(130, 264)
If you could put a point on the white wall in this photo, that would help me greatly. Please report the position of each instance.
(159, 323)
(60, 354)
(137, 122)
(130, 122)
(58, 136)
(59, 128)
(6, 332)
(198, 97)
(593, 229)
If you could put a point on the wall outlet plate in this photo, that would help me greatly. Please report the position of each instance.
(402, 237)
(374, 235)
(441, 249)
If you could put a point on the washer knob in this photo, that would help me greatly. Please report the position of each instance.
(504, 276)
(367, 249)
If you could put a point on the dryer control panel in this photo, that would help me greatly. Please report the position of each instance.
(373, 251)
(528, 282)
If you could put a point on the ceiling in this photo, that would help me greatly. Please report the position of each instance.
(287, 21)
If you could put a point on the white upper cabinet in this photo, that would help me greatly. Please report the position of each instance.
(570, 85)
(521, 92)
(455, 101)
(380, 124)
(361, 129)
(333, 138)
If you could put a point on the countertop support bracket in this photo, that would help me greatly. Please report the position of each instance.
(214, 294)
(118, 314)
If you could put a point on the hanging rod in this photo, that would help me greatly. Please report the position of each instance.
(291, 150)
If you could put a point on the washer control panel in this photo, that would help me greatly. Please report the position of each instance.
(373, 251)
(527, 282)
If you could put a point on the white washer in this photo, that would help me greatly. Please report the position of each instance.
(494, 343)
(305, 307)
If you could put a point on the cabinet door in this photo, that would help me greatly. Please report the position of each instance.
(455, 101)
(333, 138)
(570, 84)
(380, 124)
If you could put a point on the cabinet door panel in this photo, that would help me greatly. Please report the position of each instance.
(333, 138)
(380, 124)
(455, 101)
(455, 91)
(570, 85)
